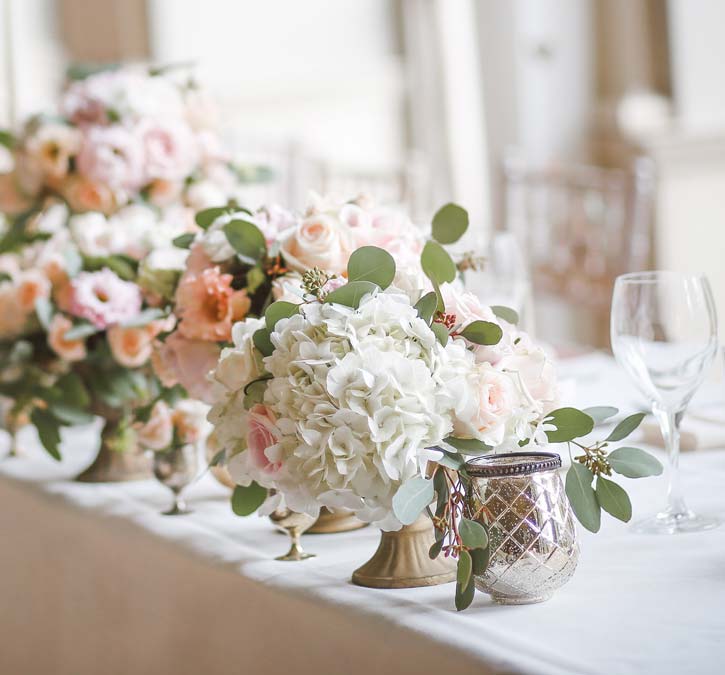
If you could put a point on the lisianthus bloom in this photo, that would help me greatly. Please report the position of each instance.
(103, 298)
(207, 305)
(178, 360)
(158, 432)
(69, 350)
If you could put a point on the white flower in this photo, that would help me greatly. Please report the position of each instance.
(239, 365)
(94, 236)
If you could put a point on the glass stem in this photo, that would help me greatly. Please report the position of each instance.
(669, 422)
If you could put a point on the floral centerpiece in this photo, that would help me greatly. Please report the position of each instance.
(368, 395)
(94, 197)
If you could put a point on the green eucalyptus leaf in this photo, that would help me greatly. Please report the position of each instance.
(451, 459)
(435, 550)
(468, 446)
(373, 264)
(570, 423)
(437, 264)
(73, 390)
(449, 224)
(246, 500)
(582, 498)
(254, 392)
(483, 333)
(613, 499)
(505, 313)
(463, 572)
(255, 278)
(44, 312)
(48, 431)
(262, 341)
(464, 595)
(206, 217)
(601, 413)
(411, 498)
(441, 333)
(247, 240)
(217, 459)
(82, 329)
(440, 485)
(473, 534)
(480, 557)
(184, 240)
(351, 293)
(7, 139)
(634, 463)
(625, 427)
(427, 306)
(279, 310)
(144, 318)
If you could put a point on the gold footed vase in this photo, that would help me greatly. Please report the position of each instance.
(402, 560)
(119, 458)
(332, 522)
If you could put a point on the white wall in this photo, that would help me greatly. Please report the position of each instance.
(323, 72)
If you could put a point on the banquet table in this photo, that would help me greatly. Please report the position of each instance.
(94, 580)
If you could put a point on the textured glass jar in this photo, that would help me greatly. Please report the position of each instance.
(532, 535)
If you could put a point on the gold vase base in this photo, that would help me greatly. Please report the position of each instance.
(331, 522)
(295, 553)
(402, 560)
(115, 467)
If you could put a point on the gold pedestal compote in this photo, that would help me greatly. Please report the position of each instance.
(294, 524)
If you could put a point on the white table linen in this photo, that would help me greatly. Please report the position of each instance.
(96, 581)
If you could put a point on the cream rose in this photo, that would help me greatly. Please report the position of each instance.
(318, 241)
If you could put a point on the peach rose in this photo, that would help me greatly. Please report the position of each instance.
(318, 241)
(188, 363)
(131, 347)
(83, 194)
(262, 434)
(12, 199)
(32, 285)
(69, 350)
(158, 432)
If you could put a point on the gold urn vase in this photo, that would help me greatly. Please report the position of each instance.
(402, 560)
(119, 457)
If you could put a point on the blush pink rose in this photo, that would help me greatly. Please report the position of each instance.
(262, 434)
(178, 360)
(170, 150)
(158, 432)
(319, 241)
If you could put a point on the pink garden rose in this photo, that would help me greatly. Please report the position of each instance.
(103, 298)
(170, 150)
(113, 156)
(318, 241)
(178, 360)
(261, 435)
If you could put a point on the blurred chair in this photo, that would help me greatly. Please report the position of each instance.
(580, 227)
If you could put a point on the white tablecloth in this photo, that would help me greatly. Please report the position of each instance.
(94, 581)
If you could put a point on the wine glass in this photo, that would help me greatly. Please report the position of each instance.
(664, 334)
(176, 468)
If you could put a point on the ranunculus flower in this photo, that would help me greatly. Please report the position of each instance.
(69, 350)
(261, 435)
(131, 347)
(319, 241)
(113, 156)
(188, 363)
(158, 432)
(51, 148)
(207, 305)
(103, 298)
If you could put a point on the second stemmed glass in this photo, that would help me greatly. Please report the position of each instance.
(664, 334)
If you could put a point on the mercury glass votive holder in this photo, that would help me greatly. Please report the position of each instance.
(520, 499)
